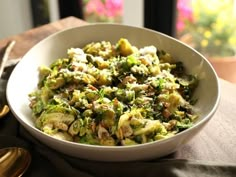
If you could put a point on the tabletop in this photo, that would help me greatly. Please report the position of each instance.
(216, 142)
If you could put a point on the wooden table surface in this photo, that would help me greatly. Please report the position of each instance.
(216, 142)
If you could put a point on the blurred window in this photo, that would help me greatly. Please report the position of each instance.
(208, 26)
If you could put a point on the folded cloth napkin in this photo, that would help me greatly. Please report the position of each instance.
(47, 162)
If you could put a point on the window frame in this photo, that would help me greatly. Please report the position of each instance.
(160, 16)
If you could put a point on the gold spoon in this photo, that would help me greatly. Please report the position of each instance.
(14, 161)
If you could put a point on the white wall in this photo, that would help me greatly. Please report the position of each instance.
(15, 17)
(133, 12)
(54, 10)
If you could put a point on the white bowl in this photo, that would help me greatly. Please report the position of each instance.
(24, 79)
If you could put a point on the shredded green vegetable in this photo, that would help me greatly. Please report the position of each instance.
(114, 94)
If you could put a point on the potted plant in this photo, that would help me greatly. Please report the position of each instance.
(210, 29)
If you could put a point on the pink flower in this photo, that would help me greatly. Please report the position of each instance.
(180, 26)
(95, 6)
(108, 8)
(185, 13)
(114, 7)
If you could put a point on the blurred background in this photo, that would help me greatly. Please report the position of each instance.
(208, 26)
